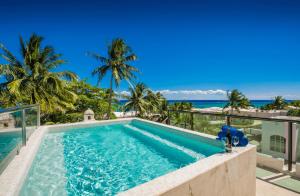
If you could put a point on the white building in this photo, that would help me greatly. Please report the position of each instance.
(7, 120)
(275, 139)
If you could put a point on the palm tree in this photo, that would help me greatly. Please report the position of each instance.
(162, 107)
(179, 106)
(181, 117)
(236, 100)
(279, 103)
(295, 103)
(244, 103)
(138, 100)
(31, 80)
(116, 63)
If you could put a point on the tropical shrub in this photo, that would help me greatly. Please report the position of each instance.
(278, 103)
(237, 100)
(88, 96)
(180, 118)
(31, 79)
(295, 103)
(294, 112)
(146, 103)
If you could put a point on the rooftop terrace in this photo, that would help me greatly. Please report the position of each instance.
(277, 174)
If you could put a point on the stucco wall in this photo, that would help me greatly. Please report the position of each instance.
(297, 145)
(281, 129)
(269, 161)
(269, 129)
(234, 178)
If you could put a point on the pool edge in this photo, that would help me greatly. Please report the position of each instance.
(11, 180)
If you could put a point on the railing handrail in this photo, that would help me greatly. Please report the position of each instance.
(288, 119)
(17, 108)
(21, 109)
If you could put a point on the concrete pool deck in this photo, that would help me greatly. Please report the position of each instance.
(220, 174)
(267, 189)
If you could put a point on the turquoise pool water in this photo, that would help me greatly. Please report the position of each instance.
(8, 141)
(107, 159)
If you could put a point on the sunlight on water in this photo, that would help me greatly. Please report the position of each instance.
(166, 142)
(105, 160)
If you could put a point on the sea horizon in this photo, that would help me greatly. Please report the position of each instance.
(216, 103)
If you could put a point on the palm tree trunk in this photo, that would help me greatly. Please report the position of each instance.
(110, 97)
(33, 98)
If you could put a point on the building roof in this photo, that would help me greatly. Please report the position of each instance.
(89, 112)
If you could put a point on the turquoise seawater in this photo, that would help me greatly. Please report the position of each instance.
(215, 103)
(107, 159)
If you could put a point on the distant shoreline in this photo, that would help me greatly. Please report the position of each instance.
(215, 103)
(212, 100)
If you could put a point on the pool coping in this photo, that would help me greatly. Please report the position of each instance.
(167, 182)
(12, 178)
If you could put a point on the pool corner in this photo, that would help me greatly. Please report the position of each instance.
(231, 174)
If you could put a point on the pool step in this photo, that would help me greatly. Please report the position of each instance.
(272, 176)
(167, 142)
(280, 178)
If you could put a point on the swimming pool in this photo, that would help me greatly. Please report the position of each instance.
(111, 158)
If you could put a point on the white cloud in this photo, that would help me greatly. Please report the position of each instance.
(188, 94)
(217, 94)
(123, 93)
(193, 92)
(271, 96)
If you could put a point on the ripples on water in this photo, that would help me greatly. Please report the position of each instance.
(101, 160)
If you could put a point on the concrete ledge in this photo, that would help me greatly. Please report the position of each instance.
(269, 161)
(297, 170)
(12, 178)
(9, 157)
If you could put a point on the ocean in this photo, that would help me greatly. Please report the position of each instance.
(214, 103)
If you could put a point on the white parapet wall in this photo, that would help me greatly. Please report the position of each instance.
(298, 170)
(269, 161)
(228, 175)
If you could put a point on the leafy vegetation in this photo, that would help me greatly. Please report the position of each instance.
(87, 97)
(146, 103)
(295, 103)
(237, 100)
(278, 103)
(32, 80)
(180, 118)
(119, 55)
(294, 112)
(295, 108)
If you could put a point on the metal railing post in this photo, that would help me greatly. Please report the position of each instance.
(192, 121)
(290, 145)
(168, 119)
(228, 120)
(23, 128)
(38, 116)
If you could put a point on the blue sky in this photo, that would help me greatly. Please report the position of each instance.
(188, 49)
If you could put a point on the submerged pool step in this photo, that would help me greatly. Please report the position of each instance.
(167, 142)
